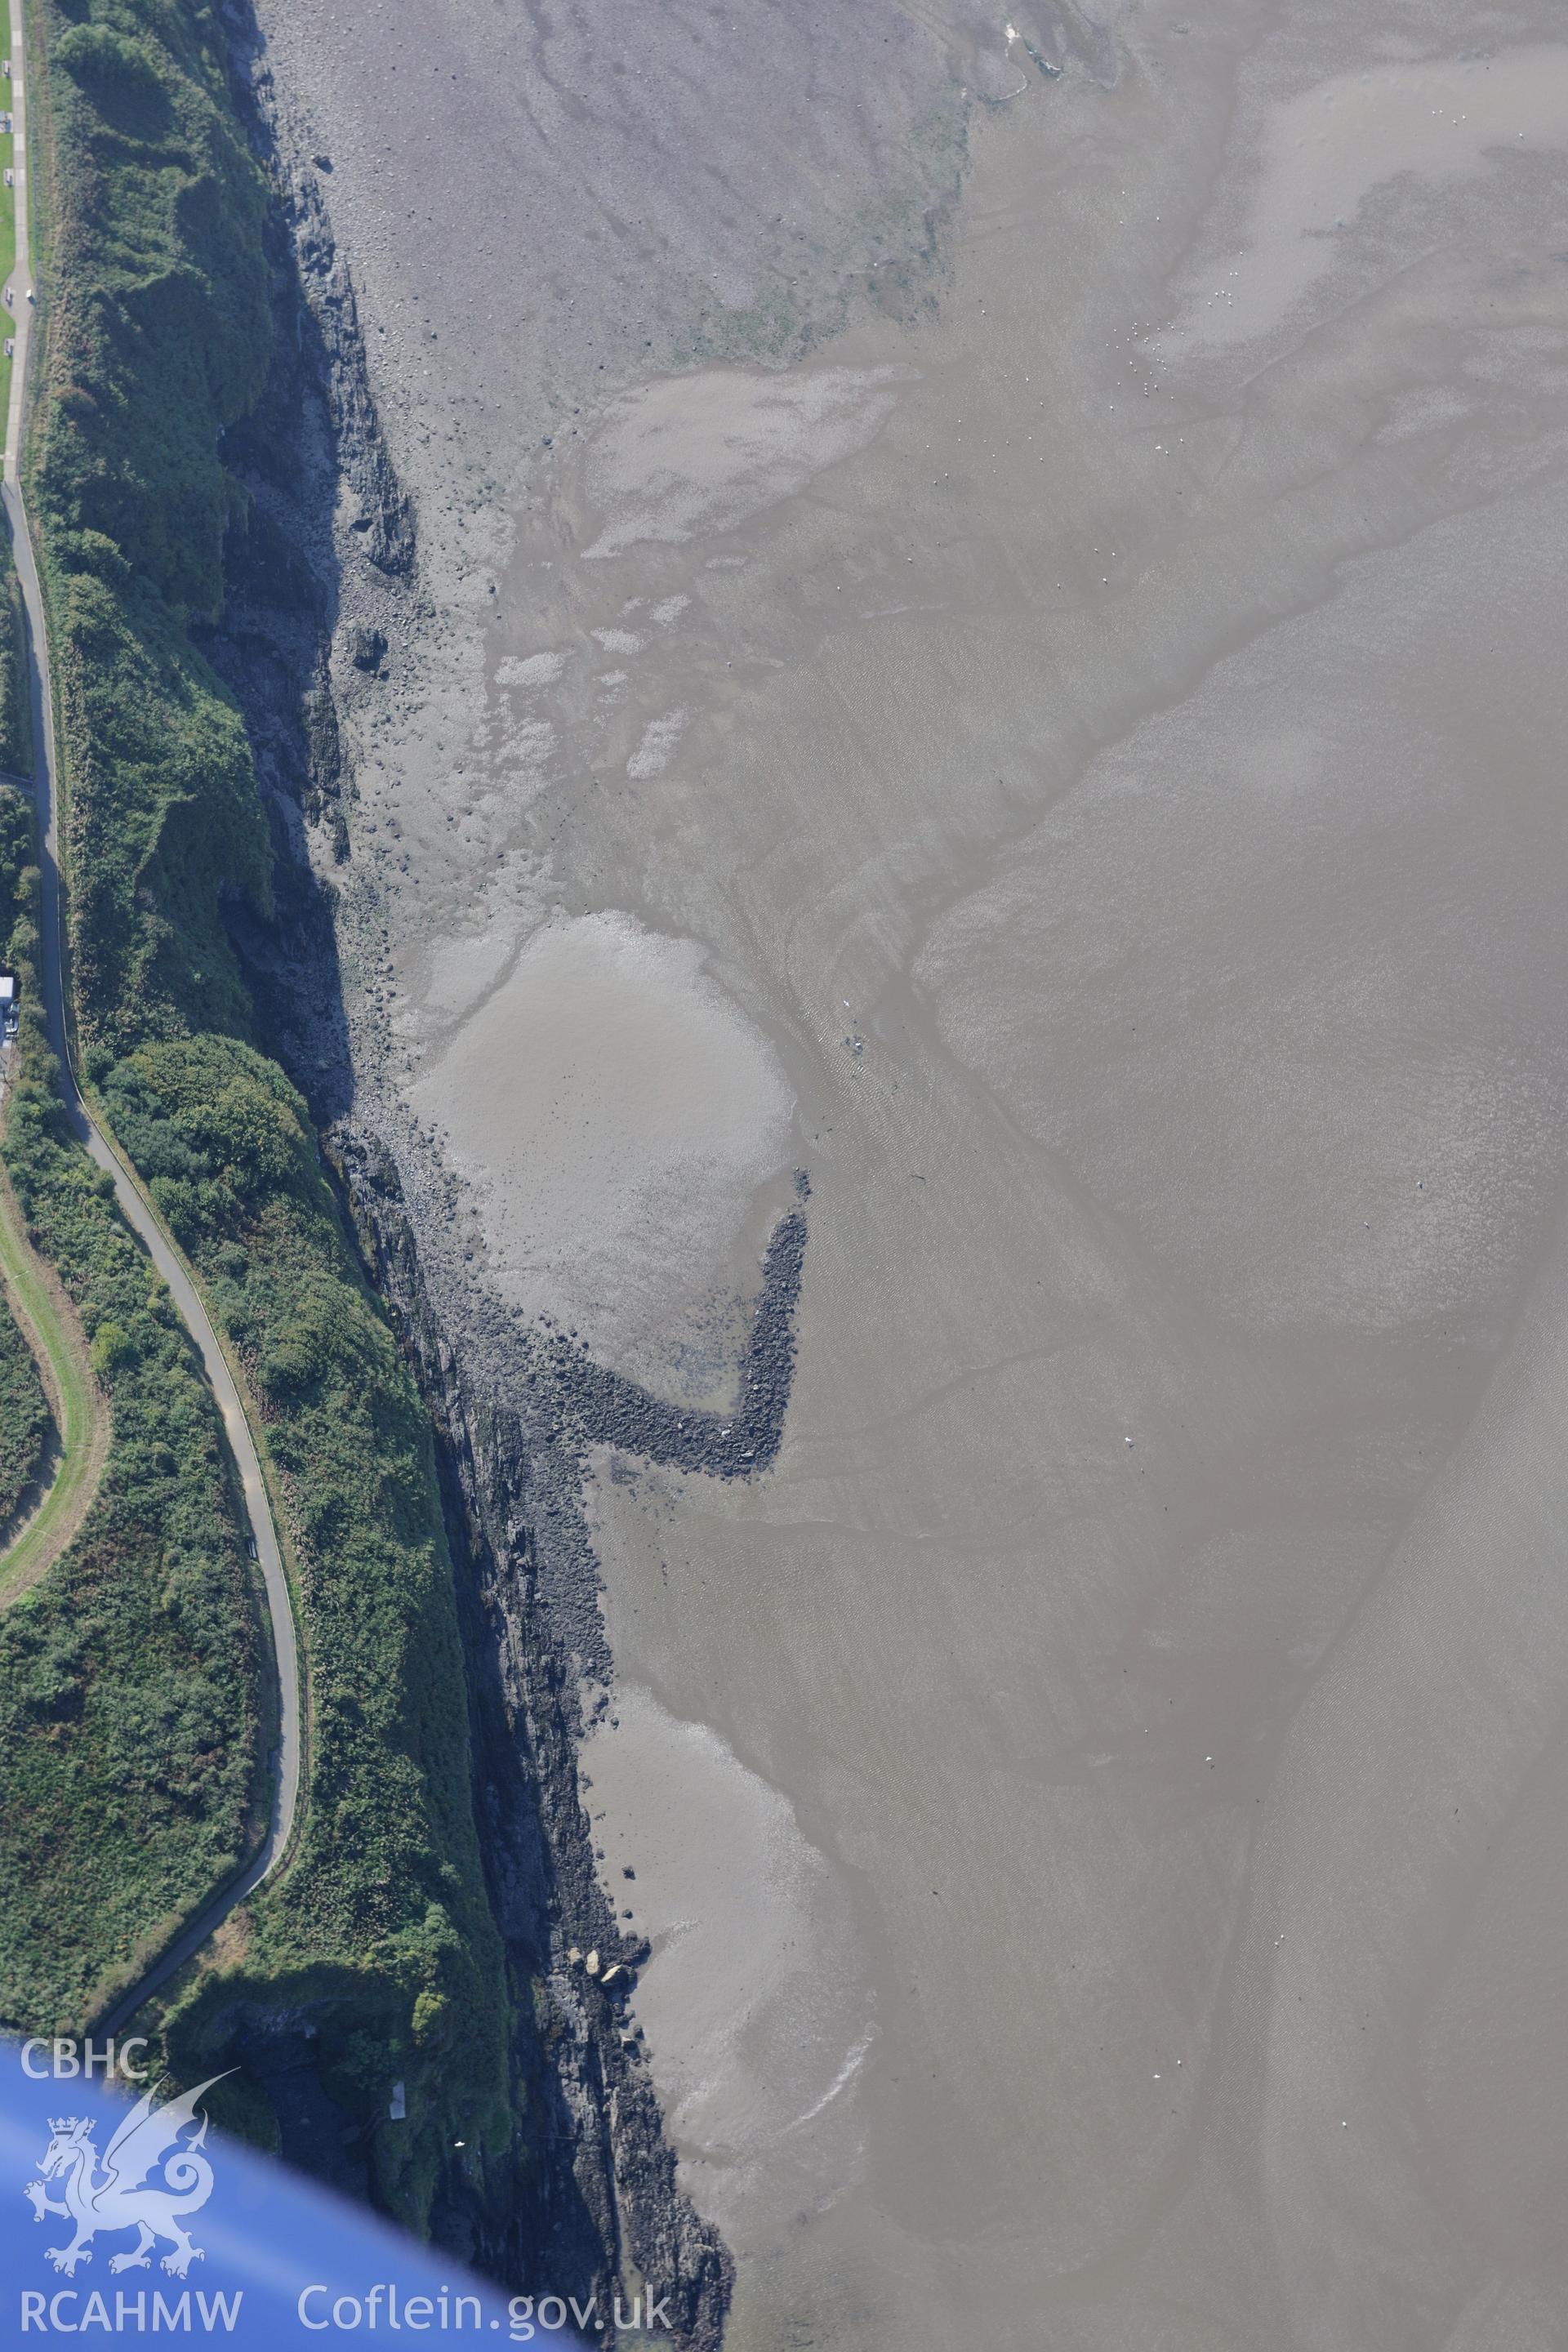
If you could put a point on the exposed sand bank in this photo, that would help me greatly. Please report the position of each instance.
(1077, 765)
(614, 1113)
(755, 2003)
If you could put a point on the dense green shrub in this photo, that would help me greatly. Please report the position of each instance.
(18, 877)
(24, 1417)
(385, 1891)
(128, 1729)
(14, 749)
(158, 338)
(23, 1414)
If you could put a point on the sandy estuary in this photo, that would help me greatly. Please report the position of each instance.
(987, 629)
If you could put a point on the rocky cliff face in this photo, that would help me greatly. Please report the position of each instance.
(323, 591)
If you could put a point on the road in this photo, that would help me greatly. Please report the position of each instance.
(136, 1209)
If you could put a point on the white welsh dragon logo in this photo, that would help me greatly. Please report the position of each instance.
(122, 2197)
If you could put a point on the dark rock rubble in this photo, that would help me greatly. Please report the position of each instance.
(323, 569)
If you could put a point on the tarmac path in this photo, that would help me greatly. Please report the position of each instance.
(134, 1205)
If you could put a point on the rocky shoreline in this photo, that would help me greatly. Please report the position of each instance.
(604, 2202)
(323, 591)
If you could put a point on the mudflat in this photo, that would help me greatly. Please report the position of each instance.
(992, 631)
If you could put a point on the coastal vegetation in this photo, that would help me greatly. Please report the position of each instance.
(24, 1413)
(129, 1733)
(158, 328)
(13, 747)
(382, 1911)
(54, 1429)
(24, 1418)
(59, 1423)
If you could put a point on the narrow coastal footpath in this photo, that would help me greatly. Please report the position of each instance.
(134, 1205)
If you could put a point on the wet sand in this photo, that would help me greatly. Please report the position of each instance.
(1072, 759)
(612, 1116)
